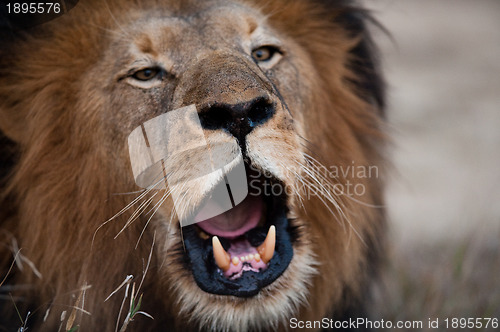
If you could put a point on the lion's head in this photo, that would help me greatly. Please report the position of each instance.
(290, 87)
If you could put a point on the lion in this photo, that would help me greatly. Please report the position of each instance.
(291, 87)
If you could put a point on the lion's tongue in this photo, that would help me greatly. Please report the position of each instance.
(237, 221)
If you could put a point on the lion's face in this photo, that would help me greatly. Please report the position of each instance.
(250, 86)
(275, 93)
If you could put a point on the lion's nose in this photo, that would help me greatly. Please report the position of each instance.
(238, 119)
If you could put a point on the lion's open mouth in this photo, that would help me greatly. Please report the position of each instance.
(246, 248)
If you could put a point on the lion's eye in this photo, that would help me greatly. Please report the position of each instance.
(146, 74)
(264, 53)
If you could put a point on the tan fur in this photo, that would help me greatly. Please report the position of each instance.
(69, 119)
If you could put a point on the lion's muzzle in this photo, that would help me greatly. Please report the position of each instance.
(230, 92)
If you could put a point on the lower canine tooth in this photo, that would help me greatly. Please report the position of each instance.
(266, 249)
(221, 257)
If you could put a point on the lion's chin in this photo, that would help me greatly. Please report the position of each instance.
(244, 249)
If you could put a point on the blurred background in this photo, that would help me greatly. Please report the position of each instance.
(442, 64)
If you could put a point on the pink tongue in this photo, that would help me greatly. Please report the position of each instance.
(236, 221)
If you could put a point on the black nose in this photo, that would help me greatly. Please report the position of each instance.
(237, 119)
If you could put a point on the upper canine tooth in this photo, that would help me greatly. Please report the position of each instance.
(266, 249)
(222, 258)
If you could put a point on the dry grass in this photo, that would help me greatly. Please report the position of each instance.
(444, 280)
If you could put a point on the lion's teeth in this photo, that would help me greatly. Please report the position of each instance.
(257, 257)
(266, 249)
(222, 258)
(236, 260)
(250, 256)
(203, 235)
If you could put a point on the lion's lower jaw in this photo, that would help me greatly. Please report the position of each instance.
(271, 308)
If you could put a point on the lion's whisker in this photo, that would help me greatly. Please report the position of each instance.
(295, 188)
(319, 165)
(374, 206)
(145, 192)
(322, 189)
(155, 207)
(136, 214)
(332, 200)
(146, 268)
(129, 192)
(311, 185)
(161, 179)
(129, 205)
(315, 176)
(160, 201)
(141, 208)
